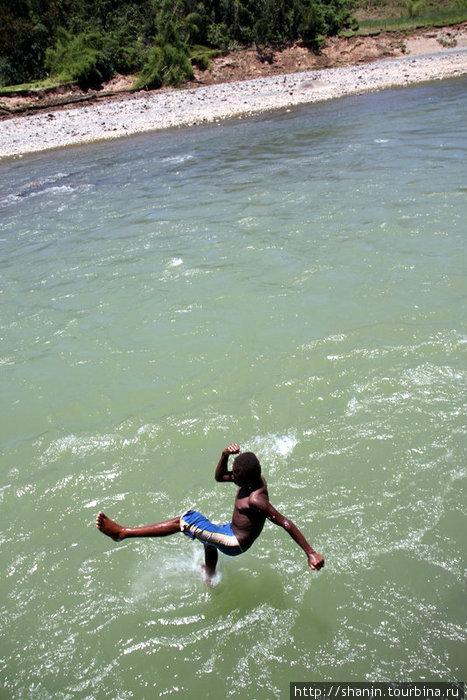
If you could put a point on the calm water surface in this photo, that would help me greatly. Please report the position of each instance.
(295, 283)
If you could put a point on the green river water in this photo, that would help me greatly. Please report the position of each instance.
(296, 283)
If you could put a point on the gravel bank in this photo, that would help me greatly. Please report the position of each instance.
(148, 111)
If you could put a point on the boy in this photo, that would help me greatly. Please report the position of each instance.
(251, 509)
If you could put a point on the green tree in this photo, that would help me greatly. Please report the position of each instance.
(24, 38)
(80, 59)
(169, 59)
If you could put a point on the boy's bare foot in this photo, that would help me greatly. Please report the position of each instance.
(109, 527)
(207, 578)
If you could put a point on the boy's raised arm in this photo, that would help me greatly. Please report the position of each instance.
(222, 473)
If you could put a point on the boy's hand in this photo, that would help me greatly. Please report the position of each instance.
(315, 561)
(232, 449)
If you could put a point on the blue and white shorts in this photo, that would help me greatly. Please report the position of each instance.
(198, 527)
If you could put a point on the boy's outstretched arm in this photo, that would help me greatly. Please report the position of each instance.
(261, 501)
(222, 473)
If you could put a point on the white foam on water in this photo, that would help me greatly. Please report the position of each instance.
(177, 160)
(173, 574)
(272, 448)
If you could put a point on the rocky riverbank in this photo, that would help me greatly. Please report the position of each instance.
(147, 111)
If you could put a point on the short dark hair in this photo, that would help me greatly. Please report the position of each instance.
(248, 467)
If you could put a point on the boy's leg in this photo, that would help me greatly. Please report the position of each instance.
(117, 532)
(210, 560)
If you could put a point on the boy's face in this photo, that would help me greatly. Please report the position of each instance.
(237, 477)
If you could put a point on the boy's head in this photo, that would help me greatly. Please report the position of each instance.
(246, 469)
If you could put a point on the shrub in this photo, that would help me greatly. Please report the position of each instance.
(169, 62)
(166, 65)
(414, 8)
(313, 25)
(218, 36)
(202, 56)
(80, 59)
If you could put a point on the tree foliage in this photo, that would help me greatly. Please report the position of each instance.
(169, 62)
(79, 59)
(88, 40)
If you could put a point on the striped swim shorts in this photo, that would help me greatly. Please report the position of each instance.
(197, 526)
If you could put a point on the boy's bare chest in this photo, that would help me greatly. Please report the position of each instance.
(242, 505)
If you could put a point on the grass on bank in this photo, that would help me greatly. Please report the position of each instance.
(421, 18)
(46, 85)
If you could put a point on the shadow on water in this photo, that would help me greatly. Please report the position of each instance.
(241, 589)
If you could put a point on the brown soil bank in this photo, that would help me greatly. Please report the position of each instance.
(338, 51)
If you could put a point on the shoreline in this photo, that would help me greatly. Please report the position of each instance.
(144, 112)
